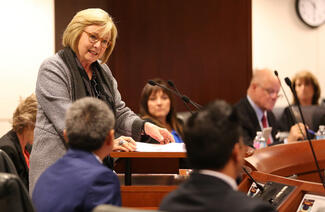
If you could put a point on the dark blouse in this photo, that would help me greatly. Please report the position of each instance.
(10, 144)
(94, 89)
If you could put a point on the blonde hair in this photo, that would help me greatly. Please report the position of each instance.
(88, 17)
(25, 114)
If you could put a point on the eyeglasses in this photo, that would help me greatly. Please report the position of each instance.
(271, 92)
(94, 39)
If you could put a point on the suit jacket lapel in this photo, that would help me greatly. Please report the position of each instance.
(252, 115)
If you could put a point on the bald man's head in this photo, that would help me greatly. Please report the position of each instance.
(264, 89)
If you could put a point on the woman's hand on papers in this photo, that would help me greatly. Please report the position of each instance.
(124, 143)
(159, 134)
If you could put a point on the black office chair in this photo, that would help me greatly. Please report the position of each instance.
(13, 194)
(112, 208)
(6, 165)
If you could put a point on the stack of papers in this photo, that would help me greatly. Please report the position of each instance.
(171, 147)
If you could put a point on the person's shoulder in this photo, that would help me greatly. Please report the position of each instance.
(7, 140)
(107, 175)
(243, 101)
(54, 63)
(243, 108)
(105, 68)
(54, 59)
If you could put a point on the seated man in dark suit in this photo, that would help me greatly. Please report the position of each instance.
(216, 151)
(255, 110)
(78, 181)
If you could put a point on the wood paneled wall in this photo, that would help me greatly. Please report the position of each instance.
(204, 46)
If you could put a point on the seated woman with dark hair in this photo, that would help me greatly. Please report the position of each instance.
(17, 142)
(157, 106)
(308, 92)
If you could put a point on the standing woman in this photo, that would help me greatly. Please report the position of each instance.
(77, 71)
(157, 106)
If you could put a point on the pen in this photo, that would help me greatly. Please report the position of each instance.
(311, 132)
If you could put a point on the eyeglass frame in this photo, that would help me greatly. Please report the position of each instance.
(270, 91)
(95, 39)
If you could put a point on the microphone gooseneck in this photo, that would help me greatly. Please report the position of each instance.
(153, 83)
(185, 102)
(261, 188)
(286, 97)
(288, 82)
(184, 98)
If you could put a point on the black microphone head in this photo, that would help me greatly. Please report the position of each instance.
(288, 81)
(151, 82)
(276, 73)
(186, 99)
(170, 83)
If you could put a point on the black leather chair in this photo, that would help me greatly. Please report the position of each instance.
(13, 194)
(112, 208)
(6, 165)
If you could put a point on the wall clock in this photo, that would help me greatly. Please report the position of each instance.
(311, 12)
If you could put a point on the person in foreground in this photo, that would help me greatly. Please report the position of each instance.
(215, 150)
(77, 71)
(157, 106)
(18, 141)
(78, 181)
(255, 110)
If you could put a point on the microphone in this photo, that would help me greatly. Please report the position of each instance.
(171, 84)
(261, 188)
(288, 82)
(153, 83)
(290, 107)
(184, 98)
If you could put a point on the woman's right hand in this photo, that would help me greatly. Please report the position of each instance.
(124, 143)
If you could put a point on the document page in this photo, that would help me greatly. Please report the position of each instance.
(171, 147)
(312, 203)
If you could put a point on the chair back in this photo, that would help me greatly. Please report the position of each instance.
(13, 194)
(6, 164)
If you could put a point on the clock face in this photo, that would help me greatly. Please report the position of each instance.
(311, 12)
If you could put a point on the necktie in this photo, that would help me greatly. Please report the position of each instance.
(264, 123)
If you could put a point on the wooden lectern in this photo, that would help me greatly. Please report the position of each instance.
(148, 176)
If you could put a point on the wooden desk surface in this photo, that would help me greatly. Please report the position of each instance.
(148, 154)
(289, 159)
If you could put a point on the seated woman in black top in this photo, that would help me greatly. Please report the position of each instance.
(308, 91)
(157, 106)
(17, 142)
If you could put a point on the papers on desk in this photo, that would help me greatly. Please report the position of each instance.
(312, 203)
(171, 147)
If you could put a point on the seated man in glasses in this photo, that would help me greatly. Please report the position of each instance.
(255, 110)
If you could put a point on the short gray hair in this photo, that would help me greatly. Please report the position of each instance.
(88, 122)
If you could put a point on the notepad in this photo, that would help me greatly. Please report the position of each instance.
(171, 147)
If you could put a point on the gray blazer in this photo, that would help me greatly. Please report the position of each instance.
(54, 95)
